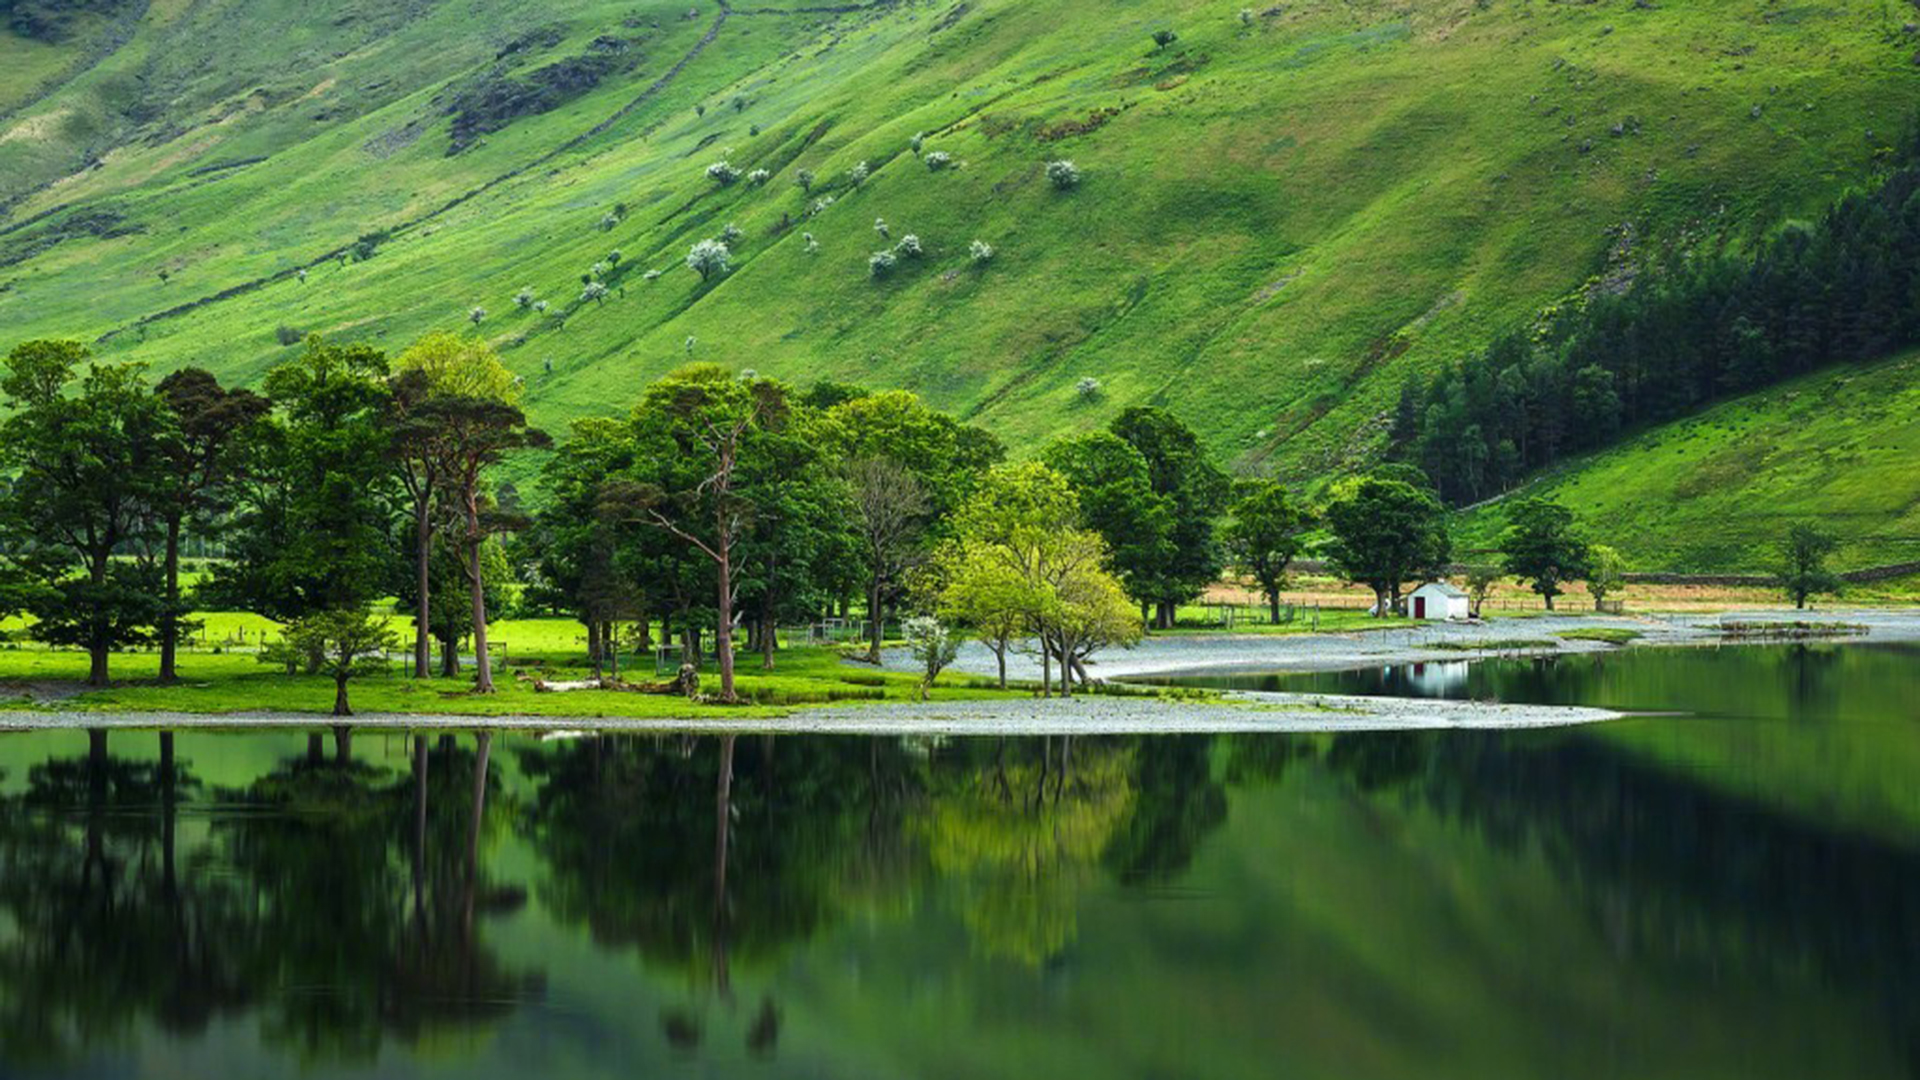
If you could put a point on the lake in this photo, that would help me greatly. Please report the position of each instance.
(1729, 891)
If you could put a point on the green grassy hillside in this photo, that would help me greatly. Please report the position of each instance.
(1282, 212)
(1716, 492)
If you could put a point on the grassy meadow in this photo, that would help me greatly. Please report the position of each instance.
(1279, 217)
(1718, 490)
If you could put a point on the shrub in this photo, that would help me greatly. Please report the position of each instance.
(980, 251)
(880, 226)
(301, 274)
(858, 174)
(650, 275)
(476, 315)
(937, 160)
(540, 306)
(614, 257)
(595, 292)
(730, 234)
(287, 335)
(804, 178)
(709, 257)
(739, 104)
(608, 221)
(1246, 16)
(1087, 388)
(758, 177)
(881, 263)
(722, 173)
(820, 205)
(914, 143)
(812, 244)
(1063, 175)
(908, 247)
(1164, 38)
(597, 271)
(523, 299)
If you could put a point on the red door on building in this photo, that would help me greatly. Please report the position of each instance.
(1419, 607)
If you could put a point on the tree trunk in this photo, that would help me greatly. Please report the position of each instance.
(723, 633)
(170, 616)
(340, 697)
(1273, 606)
(1549, 597)
(1046, 669)
(98, 647)
(877, 619)
(1000, 657)
(422, 583)
(477, 585)
(449, 657)
(611, 642)
(768, 638)
(593, 645)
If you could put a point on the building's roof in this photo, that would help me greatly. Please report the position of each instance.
(1443, 588)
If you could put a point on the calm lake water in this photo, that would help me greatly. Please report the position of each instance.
(1734, 892)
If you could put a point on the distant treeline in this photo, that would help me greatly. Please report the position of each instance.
(1845, 288)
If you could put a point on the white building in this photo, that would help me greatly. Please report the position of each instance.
(1437, 600)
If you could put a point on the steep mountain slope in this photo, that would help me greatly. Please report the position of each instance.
(1716, 492)
(1282, 211)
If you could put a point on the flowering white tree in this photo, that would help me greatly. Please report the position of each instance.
(934, 645)
(1063, 174)
(709, 257)
(722, 173)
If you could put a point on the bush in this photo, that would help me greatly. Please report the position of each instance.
(881, 263)
(523, 299)
(722, 173)
(804, 179)
(614, 257)
(287, 335)
(301, 274)
(730, 234)
(908, 247)
(938, 160)
(477, 314)
(1087, 388)
(1164, 38)
(812, 244)
(914, 143)
(880, 226)
(650, 275)
(758, 177)
(980, 251)
(820, 205)
(709, 257)
(597, 271)
(540, 306)
(858, 174)
(595, 292)
(608, 221)
(1063, 175)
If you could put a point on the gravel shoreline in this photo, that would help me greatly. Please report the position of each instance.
(1119, 714)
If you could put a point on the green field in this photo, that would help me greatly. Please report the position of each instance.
(218, 679)
(1279, 217)
(1717, 491)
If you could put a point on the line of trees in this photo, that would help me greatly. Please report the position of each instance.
(721, 503)
(1844, 288)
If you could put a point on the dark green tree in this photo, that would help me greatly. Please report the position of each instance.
(1196, 494)
(197, 462)
(1542, 549)
(86, 473)
(1263, 535)
(1385, 533)
(1117, 501)
(315, 492)
(1803, 563)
